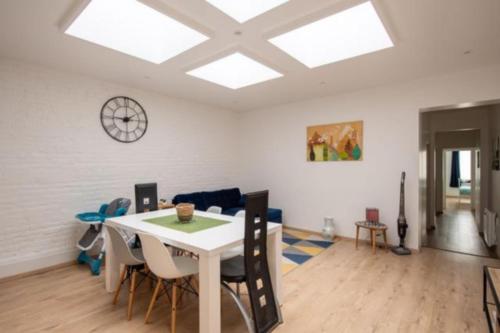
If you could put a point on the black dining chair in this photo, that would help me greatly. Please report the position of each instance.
(252, 269)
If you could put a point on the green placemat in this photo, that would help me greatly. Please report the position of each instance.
(198, 223)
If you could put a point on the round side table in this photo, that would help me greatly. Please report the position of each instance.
(374, 229)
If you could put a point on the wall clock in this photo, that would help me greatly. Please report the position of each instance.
(124, 119)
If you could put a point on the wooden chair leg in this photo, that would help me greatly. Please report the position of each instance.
(385, 240)
(165, 289)
(148, 273)
(357, 236)
(122, 279)
(153, 300)
(174, 305)
(195, 284)
(373, 237)
(131, 294)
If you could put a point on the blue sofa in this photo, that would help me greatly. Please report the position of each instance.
(230, 200)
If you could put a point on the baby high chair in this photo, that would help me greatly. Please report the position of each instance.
(94, 233)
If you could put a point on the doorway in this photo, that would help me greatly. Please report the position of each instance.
(456, 227)
(458, 184)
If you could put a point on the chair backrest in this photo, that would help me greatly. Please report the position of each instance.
(146, 197)
(158, 257)
(116, 204)
(214, 209)
(263, 303)
(240, 213)
(121, 248)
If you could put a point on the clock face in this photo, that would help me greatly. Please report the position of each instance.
(124, 119)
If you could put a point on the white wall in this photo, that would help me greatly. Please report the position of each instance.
(56, 160)
(495, 175)
(274, 156)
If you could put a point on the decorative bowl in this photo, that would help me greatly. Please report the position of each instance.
(185, 212)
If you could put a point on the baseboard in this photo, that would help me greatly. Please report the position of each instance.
(367, 241)
(336, 237)
(303, 230)
(36, 265)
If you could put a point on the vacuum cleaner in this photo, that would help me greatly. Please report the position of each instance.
(401, 249)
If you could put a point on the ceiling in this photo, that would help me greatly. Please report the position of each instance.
(431, 37)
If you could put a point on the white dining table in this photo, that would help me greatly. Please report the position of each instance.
(208, 244)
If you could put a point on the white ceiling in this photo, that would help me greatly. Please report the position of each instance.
(430, 37)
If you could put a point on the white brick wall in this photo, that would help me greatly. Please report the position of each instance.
(56, 160)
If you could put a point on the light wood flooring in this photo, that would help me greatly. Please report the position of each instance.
(456, 230)
(340, 290)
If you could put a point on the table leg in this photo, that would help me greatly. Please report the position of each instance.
(357, 236)
(210, 309)
(385, 240)
(112, 269)
(374, 238)
(274, 252)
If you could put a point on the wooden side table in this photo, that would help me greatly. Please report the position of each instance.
(374, 228)
(165, 205)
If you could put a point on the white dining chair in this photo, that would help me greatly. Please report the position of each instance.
(214, 209)
(167, 267)
(133, 261)
(237, 250)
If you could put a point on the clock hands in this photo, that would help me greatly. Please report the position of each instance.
(127, 119)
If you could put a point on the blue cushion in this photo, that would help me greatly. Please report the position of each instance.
(273, 214)
(243, 200)
(232, 211)
(231, 198)
(213, 198)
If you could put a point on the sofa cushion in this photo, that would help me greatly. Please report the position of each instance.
(273, 214)
(232, 211)
(195, 198)
(212, 198)
(230, 198)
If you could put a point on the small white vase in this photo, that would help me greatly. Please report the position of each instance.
(328, 231)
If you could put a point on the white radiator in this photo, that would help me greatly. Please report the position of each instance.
(490, 227)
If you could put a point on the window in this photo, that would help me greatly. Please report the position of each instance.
(465, 163)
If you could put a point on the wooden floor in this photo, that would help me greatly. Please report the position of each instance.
(340, 290)
(456, 230)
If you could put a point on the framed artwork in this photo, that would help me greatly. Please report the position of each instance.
(335, 142)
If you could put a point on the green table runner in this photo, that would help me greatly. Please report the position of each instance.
(198, 223)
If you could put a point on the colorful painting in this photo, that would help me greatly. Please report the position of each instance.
(335, 142)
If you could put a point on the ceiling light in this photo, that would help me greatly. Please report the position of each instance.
(347, 34)
(244, 10)
(235, 71)
(133, 28)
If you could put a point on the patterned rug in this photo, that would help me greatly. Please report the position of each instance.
(299, 247)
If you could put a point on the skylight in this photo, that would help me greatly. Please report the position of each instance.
(244, 10)
(347, 34)
(235, 71)
(133, 28)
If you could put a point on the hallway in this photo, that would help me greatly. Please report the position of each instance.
(457, 231)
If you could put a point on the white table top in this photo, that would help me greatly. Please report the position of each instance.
(209, 241)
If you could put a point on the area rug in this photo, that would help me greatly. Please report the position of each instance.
(198, 223)
(299, 247)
